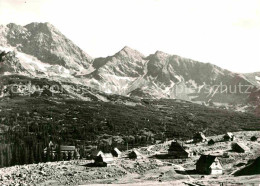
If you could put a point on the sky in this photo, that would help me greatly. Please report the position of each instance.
(223, 32)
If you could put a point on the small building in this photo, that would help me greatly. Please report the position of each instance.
(253, 138)
(229, 137)
(199, 137)
(135, 155)
(104, 160)
(67, 152)
(178, 151)
(116, 152)
(250, 169)
(52, 149)
(239, 147)
(64, 148)
(211, 142)
(208, 164)
(51, 145)
(95, 153)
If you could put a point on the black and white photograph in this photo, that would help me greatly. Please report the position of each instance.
(129, 92)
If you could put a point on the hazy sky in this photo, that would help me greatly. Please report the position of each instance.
(223, 32)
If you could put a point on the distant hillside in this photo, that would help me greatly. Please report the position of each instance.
(121, 116)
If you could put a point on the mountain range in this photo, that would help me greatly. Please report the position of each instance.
(40, 51)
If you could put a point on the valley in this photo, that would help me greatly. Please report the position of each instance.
(59, 106)
(144, 171)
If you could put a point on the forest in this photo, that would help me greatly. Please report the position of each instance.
(28, 124)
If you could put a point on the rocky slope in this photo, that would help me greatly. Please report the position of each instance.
(162, 75)
(254, 78)
(10, 64)
(115, 73)
(46, 43)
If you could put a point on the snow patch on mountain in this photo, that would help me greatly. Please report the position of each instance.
(119, 78)
(87, 71)
(6, 49)
(113, 84)
(36, 67)
(7, 73)
(31, 62)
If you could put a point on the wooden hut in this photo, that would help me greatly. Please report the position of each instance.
(229, 137)
(104, 160)
(134, 154)
(199, 137)
(178, 151)
(116, 152)
(208, 164)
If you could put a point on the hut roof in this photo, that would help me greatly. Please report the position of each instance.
(200, 135)
(117, 151)
(136, 153)
(242, 146)
(251, 169)
(176, 146)
(211, 141)
(51, 144)
(106, 157)
(67, 148)
(229, 134)
(96, 152)
(206, 160)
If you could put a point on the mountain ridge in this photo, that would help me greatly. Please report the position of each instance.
(45, 52)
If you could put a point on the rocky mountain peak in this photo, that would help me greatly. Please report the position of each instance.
(129, 52)
(46, 28)
(37, 24)
(43, 49)
(14, 26)
(159, 55)
(46, 43)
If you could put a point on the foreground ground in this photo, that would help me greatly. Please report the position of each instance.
(145, 171)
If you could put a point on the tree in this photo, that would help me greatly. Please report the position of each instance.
(75, 155)
(47, 155)
(31, 156)
(64, 156)
(7, 156)
(59, 154)
(69, 156)
(82, 152)
(15, 155)
(51, 154)
(1, 158)
(39, 153)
